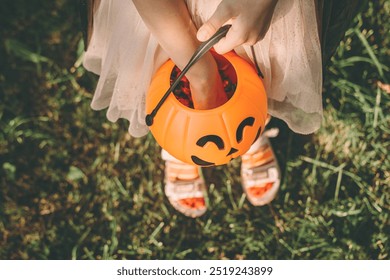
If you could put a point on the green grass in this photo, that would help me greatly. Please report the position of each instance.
(75, 186)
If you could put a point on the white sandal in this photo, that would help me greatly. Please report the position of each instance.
(260, 173)
(185, 188)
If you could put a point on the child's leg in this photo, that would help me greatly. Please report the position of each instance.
(260, 172)
(184, 186)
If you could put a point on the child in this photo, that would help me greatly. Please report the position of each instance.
(131, 39)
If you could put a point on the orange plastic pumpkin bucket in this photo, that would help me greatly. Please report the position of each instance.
(209, 137)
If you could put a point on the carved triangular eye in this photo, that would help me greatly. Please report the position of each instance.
(249, 121)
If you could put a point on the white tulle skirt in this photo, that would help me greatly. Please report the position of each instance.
(125, 56)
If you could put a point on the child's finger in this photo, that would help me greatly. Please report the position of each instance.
(221, 15)
(234, 38)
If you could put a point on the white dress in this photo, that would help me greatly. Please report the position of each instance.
(125, 56)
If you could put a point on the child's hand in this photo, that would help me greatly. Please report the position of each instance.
(250, 21)
(170, 22)
(206, 84)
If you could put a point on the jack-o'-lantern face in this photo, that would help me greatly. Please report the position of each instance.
(225, 137)
(210, 137)
(217, 141)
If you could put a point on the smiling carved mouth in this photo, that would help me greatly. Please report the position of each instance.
(201, 162)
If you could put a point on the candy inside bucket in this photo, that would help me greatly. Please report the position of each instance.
(228, 75)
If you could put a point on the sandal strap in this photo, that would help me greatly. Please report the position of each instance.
(264, 155)
(189, 189)
(261, 175)
(175, 171)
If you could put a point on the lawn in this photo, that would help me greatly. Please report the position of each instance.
(75, 186)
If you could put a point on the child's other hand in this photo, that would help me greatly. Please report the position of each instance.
(250, 21)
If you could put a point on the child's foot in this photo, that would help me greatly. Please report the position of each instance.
(260, 173)
(184, 187)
